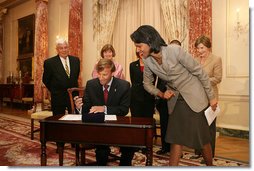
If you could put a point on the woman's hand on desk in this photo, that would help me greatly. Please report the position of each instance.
(78, 102)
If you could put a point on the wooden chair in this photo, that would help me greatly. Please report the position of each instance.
(41, 110)
(81, 149)
(79, 91)
(28, 93)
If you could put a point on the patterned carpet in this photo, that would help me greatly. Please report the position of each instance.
(17, 149)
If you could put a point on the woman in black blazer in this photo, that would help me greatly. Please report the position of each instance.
(142, 102)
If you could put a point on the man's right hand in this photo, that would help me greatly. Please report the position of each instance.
(78, 102)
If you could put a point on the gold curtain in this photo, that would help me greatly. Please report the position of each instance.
(104, 15)
(175, 14)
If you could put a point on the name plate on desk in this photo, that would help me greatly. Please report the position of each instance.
(110, 118)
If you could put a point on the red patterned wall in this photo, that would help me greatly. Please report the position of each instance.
(200, 12)
(41, 45)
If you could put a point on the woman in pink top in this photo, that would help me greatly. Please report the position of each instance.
(108, 52)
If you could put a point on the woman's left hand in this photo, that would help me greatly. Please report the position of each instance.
(168, 94)
(213, 104)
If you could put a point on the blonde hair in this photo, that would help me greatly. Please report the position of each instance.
(105, 63)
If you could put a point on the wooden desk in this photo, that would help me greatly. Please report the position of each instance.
(126, 131)
(15, 92)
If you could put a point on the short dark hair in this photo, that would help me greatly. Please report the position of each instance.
(107, 47)
(148, 35)
(204, 40)
(105, 63)
(177, 42)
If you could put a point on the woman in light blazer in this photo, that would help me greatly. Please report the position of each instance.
(189, 92)
(213, 67)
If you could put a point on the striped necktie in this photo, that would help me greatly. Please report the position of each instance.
(67, 69)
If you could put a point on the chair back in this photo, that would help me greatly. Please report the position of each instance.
(44, 104)
(72, 91)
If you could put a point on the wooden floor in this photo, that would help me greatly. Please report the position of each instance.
(227, 147)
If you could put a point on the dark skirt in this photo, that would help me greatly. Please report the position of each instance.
(186, 127)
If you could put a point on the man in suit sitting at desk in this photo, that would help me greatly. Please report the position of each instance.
(108, 95)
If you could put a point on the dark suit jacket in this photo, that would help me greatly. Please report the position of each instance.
(118, 98)
(57, 81)
(142, 102)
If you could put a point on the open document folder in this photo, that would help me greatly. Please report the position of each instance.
(211, 115)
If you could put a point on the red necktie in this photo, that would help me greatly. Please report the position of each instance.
(106, 93)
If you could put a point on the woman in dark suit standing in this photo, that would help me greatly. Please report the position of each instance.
(189, 92)
(142, 102)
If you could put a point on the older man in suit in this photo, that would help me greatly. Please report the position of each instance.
(116, 101)
(60, 73)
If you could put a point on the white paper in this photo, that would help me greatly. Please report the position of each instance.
(211, 115)
(71, 117)
(76, 117)
(110, 118)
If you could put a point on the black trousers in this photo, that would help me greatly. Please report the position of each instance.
(56, 110)
(162, 108)
(102, 153)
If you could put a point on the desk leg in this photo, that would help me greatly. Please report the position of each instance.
(149, 156)
(43, 154)
(83, 156)
(77, 150)
(60, 151)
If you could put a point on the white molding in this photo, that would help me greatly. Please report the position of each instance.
(228, 70)
(237, 127)
(234, 98)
